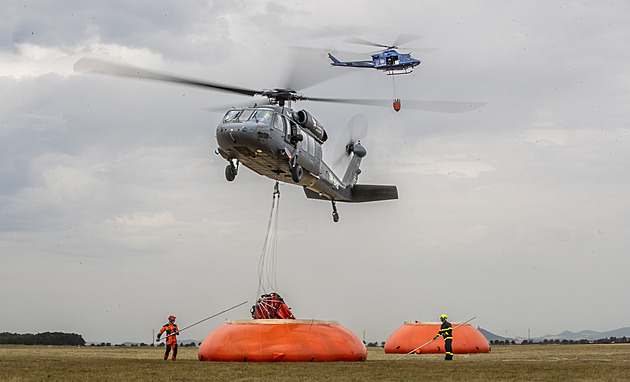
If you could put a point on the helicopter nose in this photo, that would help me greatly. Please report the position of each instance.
(236, 134)
(231, 134)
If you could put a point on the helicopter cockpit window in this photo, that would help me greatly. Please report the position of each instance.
(263, 116)
(245, 115)
(278, 123)
(231, 116)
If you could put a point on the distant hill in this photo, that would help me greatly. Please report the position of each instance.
(590, 335)
(491, 336)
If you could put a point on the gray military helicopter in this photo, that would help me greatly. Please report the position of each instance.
(278, 142)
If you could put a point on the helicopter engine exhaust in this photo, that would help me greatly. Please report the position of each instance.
(304, 119)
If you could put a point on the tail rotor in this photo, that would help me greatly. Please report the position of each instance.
(355, 130)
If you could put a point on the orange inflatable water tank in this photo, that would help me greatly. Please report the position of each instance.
(273, 340)
(466, 339)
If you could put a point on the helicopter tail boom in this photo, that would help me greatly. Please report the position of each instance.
(350, 191)
(354, 64)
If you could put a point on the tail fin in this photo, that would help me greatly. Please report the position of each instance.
(364, 192)
(334, 59)
(351, 176)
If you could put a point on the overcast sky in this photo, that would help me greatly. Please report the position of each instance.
(115, 211)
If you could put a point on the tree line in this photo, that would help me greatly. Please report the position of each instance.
(47, 338)
(608, 340)
(142, 344)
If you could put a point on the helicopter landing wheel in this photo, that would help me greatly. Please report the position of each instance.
(230, 172)
(335, 214)
(296, 173)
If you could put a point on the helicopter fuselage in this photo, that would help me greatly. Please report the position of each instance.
(389, 61)
(269, 141)
(392, 60)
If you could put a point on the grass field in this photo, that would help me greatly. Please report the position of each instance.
(503, 363)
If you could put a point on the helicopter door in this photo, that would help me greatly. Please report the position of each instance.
(279, 123)
(310, 155)
(392, 60)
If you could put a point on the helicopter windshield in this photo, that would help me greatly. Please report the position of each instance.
(237, 115)
(231, 115)
(263, 116)
(245, 115)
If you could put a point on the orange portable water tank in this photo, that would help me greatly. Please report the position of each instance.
(466, 339)
(273, 340)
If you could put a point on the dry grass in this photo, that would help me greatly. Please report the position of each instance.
(507, 363)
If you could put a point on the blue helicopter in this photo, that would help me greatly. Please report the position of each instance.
(389, 60)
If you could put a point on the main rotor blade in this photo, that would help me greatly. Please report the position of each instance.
(404, 39)
(309, 67)
(442, 106)
(436, 106)
(91, 65)
(238, 105)
(414, 50)
(360, 41)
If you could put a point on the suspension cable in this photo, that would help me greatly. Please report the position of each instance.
(394, 87)
(268, 256)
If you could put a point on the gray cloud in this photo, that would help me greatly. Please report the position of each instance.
(114, 205)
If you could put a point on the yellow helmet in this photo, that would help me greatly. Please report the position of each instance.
(443, 317)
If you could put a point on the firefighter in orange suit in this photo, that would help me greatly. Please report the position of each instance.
(171, 339)
(446, 331)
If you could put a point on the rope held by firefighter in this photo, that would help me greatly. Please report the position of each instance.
(205, 319)
(421, 346)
